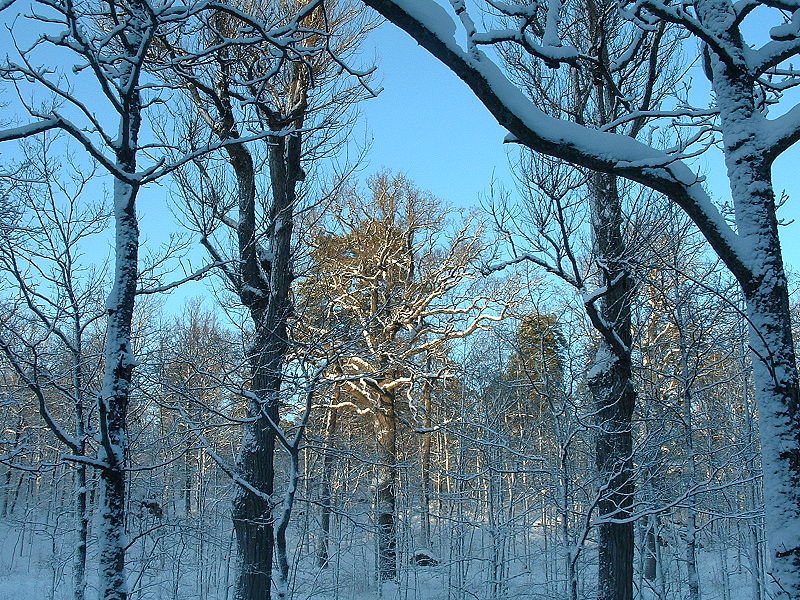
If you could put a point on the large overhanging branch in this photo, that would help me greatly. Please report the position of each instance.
(434, 29)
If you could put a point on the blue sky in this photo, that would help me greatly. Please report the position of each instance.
(428, 124)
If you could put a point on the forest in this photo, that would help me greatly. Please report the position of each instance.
(238, 362)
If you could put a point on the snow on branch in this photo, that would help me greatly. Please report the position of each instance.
(602, 151)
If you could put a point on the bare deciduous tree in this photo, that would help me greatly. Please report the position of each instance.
(45, 231)
(297, 100)
(387, 270)
(746, 79)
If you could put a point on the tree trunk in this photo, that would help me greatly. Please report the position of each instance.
(282, 524)
(386, 430)
(8, 506)
(570, 547)
(650, 550)
(425, 465)
(725, 571)
(612, 390)
(187, 478)
(753, 500)
(756, 578)
(112, 534)
(114, 396)
(79, 481)
(766, 292)
(614, 397)
(326, 495)
(252, 513)
(265, 282)
(775, 378)
(691, 510)
(81, 533)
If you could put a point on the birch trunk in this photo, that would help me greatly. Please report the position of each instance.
(650, 551)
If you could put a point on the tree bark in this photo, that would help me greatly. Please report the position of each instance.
(326, 494)
(252, 512)
(691, 466)
(775, 377)
(766, 292)
(112, 403)
(386, 431)
(82, 534)
(265, 283)
(81, 493)
(571, 549)
(650, 551)
(610, 383)
(425, 464)
(282, 525)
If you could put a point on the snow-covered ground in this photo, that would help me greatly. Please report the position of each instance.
(35, 564)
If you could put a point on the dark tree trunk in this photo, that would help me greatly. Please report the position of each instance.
(614, 397)
(425, 464)
(252, 512)
(610, 383)
(265, 282)
(82, 533)
(650, 549)
(386, 431)
(79, 481)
